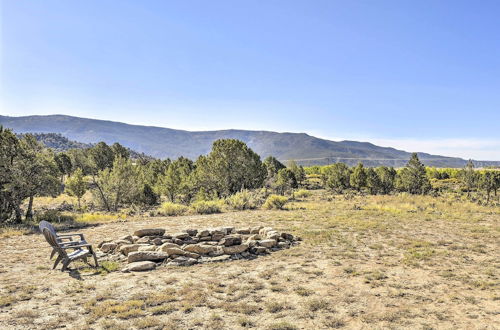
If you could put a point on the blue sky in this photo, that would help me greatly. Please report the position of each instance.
(416, 75)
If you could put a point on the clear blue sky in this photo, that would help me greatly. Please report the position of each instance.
(417, 75)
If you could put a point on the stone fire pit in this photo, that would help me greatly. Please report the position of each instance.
(148, 248)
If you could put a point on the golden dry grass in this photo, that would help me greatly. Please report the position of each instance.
(365, 262)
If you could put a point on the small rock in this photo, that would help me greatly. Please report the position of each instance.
(192, 232)
(217, 251)
(149, 232)
(254, 237)
(263, 231)
(135, 238)
(220, 258)
(267, 243)
(258, 250)
(146, 256)
(227, 230)
(168, 245)
(287, 236)
(217, 235)
(203, 233)
(243, 231)
(283, 245)
(127, 238)
(103, 242)
(177, 241)
(191, 255)
(180, 235)
(157, 241)
(205, 238)
(140, 266)
(255, 230)
(273, 235)
(108, 247)
(182, 261)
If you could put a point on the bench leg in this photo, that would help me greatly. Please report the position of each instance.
(65, 265)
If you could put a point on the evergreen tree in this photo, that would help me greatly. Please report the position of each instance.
(386, 176)
(373, 181)
(285, 180)
(336, 177)
(413, 178)
(488, 182)
(358, 177)
(469, 177)
(76, 185)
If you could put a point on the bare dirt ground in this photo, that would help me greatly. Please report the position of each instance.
(367, 262)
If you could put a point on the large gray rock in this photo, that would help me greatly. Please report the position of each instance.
(146, 256)
(235, 249)
(140, 266)
(108, 247)
(230, 240)
(200, 248)
(149, 232)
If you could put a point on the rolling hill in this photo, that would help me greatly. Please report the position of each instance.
(166, 142)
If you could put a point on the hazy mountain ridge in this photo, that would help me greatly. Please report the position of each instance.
(166, 142)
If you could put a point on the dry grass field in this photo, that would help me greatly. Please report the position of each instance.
(369, 262)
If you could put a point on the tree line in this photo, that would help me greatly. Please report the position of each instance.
(115, 179)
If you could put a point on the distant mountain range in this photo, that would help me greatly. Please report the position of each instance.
(171, 143)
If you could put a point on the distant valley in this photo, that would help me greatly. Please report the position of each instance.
(171, 143)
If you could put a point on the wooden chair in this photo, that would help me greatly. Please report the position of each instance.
(63, 239)
(81, 250)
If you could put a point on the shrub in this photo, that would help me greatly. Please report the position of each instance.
(275, 202)
(302, 193)
(172, 209)
(242, 200)
(206, 207)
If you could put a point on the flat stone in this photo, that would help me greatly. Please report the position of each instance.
(149, 232)
(146, 256)
(217, 235)
(143, 240)
(234, 249)
(108, 247)
(217, 252)
(205, 238)
(283, 245)
(147, 248)
(287, 236)
(174, 251)
(182, 261)
(126, 249)
(220, 258)
(105, 241)
(267, 243)
(177, 241)
(227, 230)
(200, 248)
(140, 266)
